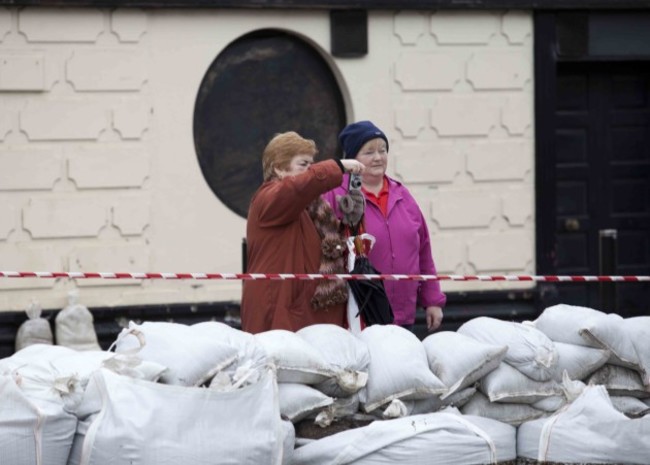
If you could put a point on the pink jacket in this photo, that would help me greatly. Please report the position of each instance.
(402, 247)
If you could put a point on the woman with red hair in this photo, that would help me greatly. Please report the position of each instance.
(291, 229)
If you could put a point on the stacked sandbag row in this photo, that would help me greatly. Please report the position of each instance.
(607, 420)
(217, 401)
(59, 406)
(527, 382)
(220, 395)
(402, 411)
(324, 375)
(626, 373)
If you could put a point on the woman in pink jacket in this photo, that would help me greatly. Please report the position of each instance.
(392, 215)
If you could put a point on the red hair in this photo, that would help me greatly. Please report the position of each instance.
(281, 149)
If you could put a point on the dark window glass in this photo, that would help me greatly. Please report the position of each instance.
(619, 34)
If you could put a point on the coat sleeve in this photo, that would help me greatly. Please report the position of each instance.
(429, 292)
(283, 201)
(330, 197)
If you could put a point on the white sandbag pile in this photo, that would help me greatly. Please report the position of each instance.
(320, 370)
(518, 369)
(40, 388)
(565, 343)
(626, 371)
(625, 339)
(323, 394)
(61, 406)
(607, 421)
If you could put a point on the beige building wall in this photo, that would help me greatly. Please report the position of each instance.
(97, 164)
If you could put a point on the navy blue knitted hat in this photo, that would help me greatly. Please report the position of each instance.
(355, 135)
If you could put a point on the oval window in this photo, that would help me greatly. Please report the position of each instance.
(262, 84)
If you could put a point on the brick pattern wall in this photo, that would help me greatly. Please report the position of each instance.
(463, 129)
(75, 147)
(97, 164)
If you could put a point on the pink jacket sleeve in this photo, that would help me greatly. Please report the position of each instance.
(429, 293)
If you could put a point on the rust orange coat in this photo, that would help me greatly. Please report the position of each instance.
(282, 238)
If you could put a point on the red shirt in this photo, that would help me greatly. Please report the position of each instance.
(381, 199)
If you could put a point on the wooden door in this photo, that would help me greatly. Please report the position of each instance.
(601, 173)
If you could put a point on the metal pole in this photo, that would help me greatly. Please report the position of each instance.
(244, 255)
(607, 263)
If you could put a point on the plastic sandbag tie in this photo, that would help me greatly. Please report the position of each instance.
(34, 310)
(396, 409)
(324, 418)
(572, 389)
(351, 381)
(131, 331)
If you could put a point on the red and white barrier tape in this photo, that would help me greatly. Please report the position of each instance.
(288, 276)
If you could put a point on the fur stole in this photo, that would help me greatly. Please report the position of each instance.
(328, 292)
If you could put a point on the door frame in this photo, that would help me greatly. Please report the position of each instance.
(545, 64)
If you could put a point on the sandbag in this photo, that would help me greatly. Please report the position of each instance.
(298, 401)
(578, 361)
(507, 384)
(342, 407)
(638, 330)
(191, 358)
(630, 406)
(398, 368)
(592, 328)
(61, 374)
(529, 350)
(35, 352)
(33, 371)
(346, 353)
(249, 351)
(74, 325)
(510, 413)
(296, 360)
(155, 424)
(588, 430)
(63, 361)
(251, 356)
(451, 438)
(288, 435)
(619, 381)
(459, 361)
(36, 330)
(550, 404)
(434, 404)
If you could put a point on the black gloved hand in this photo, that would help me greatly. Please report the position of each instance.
(352, 205)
